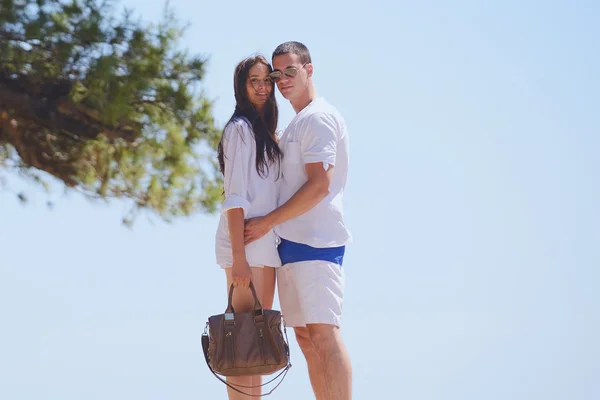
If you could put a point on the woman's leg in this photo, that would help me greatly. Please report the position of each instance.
(266, 299)
(264, 284)
(268, 293)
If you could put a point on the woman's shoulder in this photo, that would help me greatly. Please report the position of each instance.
(238, 126)
(241, 122)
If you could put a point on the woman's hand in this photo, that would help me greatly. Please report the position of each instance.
(241, 274)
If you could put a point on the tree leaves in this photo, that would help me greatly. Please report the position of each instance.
(107, 105)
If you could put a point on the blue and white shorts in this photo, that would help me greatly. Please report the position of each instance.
(310, 284)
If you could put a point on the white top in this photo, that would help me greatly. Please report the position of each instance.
(246, 189)
(316, 134)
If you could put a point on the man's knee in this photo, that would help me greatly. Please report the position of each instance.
(304, 341)
(324, 337)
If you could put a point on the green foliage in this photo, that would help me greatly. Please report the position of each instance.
(108, 106)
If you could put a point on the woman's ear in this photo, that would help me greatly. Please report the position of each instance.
(309, 69)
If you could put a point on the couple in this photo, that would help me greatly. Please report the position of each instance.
(282, 216)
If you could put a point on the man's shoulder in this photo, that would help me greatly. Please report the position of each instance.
(323, 109)
(325, 115)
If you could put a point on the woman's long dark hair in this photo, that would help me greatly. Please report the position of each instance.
(263, 124)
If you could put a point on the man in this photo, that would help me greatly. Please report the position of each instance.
(310, 224)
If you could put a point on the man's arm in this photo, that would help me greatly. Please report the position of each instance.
(318, 145)
(308, 196)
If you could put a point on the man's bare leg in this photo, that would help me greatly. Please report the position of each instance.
(315, 366)
(334, 359)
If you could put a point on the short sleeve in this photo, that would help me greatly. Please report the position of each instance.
(319, 144)
(237, 156)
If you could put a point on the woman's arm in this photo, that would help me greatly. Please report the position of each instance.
(241, 272)
(237, 154)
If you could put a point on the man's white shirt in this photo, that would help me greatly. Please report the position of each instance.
(316, 134)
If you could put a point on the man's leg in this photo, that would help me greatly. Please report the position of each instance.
(311, 295)
(315, 366)
(293, 315)
(333, 359)
(320, 287)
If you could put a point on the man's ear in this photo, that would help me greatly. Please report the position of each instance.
(309, 69)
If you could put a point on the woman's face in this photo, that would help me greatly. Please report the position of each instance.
(259, 86)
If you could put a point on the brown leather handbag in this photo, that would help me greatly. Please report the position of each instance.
(246, 343)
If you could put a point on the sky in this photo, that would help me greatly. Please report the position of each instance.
(473, 199)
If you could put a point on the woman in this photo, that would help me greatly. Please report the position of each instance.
(249, 158)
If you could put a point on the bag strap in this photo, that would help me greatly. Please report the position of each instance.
(257, 305)
(205, 343)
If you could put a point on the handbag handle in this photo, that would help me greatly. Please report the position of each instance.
(257, 305)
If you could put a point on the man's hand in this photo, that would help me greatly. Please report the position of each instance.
(255, 228)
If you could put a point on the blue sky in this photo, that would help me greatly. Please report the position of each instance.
(473, 199)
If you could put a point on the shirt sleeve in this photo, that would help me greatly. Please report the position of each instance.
(319, 144)
(237, 153)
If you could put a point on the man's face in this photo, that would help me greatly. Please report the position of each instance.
(291, 75)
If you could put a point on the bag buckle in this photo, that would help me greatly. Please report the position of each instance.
(259, 316)
(229, 319)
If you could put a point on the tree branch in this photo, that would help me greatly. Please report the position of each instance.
(60, 114)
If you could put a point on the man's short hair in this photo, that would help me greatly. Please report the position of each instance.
(296, 48)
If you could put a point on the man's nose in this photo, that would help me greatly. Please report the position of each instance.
(283, 79)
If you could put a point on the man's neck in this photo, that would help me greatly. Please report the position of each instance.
(307, 97)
